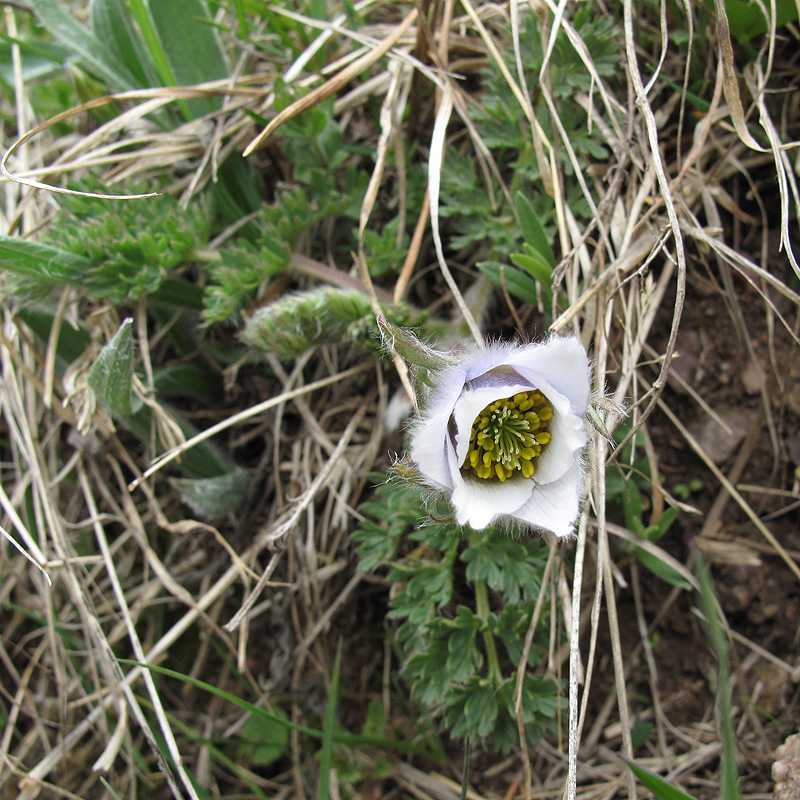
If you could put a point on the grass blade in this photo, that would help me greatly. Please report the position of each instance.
(191, 48)
(729, 777)
(661, 789)
(326, 753)
(111, 22)
(90, 50)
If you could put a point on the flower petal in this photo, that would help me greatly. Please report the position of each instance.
(567, 435)
(478, 502)
(554, 506)
(430, 440)
(562, 363)
(493, 356)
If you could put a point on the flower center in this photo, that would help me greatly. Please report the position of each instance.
(508, 436)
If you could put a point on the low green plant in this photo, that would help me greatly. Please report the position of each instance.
(461, 605)
(123, 249)
(628, 480)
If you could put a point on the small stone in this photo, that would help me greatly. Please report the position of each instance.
(719, 443)
(752, 378)
(687, 348)
(786, 769)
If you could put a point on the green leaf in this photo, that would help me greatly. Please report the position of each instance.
(640, 732)
(654, 532)
(235, 700)
(709, 604)
(112, 23)
(660, 569)
(463, 656)
(267, 739)
(152, 42)
(533, 232)
(534, 264)
(192, 46)
(212, 498)
(92, 52)
(747, 20)
(111, 376)
(41, 261)
(632, 504)
(518, 283)
(110, 789)
(72, 342)
(481, 708)
(656, 784)
(39, 59)
(187, 379)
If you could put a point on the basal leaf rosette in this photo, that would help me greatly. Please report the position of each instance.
(502, 431)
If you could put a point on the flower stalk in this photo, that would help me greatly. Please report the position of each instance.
(482, 610)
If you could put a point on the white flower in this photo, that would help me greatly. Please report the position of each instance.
(502, 434)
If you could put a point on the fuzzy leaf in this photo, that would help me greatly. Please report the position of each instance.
(410, 348)
(212, 498)
(40, 261)
(111, 376)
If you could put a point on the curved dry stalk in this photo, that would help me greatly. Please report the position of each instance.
(151, 100)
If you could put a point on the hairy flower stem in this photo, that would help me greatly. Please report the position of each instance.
(482, 608)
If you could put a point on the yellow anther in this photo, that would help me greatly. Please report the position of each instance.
(507, 436)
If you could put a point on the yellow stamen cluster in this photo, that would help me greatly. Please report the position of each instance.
(508, 435)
